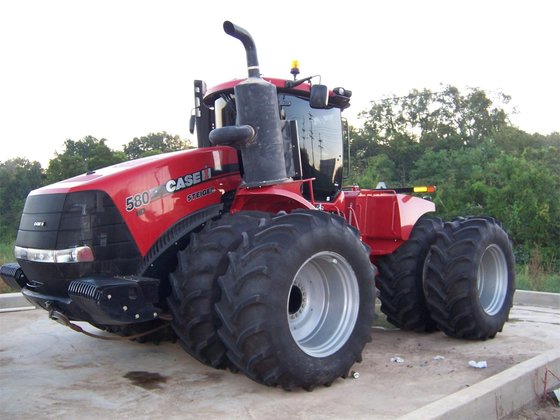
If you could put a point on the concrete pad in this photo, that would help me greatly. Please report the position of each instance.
(530, 298)
(14, 302)
(499, 395)
(70, 375)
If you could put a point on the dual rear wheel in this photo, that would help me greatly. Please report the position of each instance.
(469, 278)
(400, 279)
(457, 277)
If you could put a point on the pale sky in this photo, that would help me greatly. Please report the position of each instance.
(119, 69)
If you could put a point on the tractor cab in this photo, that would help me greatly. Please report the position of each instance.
(313, 129)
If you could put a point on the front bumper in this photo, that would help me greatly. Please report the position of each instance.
(100, 300)
(13, 276)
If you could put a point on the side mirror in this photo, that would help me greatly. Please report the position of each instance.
(319, 97)
(192, 122)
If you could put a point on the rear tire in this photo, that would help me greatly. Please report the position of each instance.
(470, 278)
(298, 301)
(194, 285)
(400, 279)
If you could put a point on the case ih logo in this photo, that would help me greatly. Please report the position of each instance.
(188, 180)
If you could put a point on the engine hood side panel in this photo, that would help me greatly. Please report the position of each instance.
(153, 193)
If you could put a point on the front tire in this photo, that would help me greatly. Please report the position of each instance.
(298, 301)
(195, 289)
(470, 278)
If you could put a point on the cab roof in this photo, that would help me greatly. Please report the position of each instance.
(303, 90)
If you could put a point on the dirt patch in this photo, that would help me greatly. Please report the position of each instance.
(146, 380)
(543, 411)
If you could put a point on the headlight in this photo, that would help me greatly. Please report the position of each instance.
(69, 255)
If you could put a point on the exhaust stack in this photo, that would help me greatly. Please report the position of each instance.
(250, 48)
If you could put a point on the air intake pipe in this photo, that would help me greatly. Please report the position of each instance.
(257, 107)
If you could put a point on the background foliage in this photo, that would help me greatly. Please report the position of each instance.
(17, 177)
(482, 165)
(153, 144)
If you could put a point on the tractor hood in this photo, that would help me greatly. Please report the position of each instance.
(150, 195)
(154, 167)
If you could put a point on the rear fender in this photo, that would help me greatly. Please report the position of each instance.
(385, 219)
(286, 196)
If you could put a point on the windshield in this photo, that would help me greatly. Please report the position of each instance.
(319, 134)
(320, 144)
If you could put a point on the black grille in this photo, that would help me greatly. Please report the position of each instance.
(84, 289)
(61, 221)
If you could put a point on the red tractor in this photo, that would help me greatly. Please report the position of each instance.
(250, 248)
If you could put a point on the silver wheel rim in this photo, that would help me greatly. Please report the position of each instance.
(323, 304)
(492, 280)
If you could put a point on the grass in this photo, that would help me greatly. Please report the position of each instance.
(539, 274)
(6, 252)
(6, 255)
(527, 279)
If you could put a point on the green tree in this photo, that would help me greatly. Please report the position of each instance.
(153, 144)
(455, 172)
(17, 178)
(404, 128)
(80, 156)
(379, 168)
(524, 196)
(518, 188)
(446, 119)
